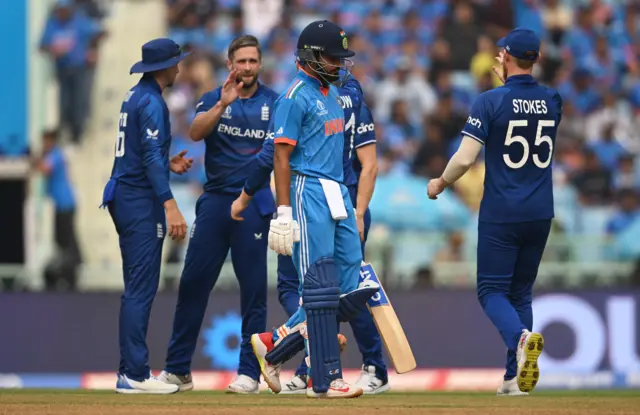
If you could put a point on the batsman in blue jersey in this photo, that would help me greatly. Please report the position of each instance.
(359, 161)
(142, 206)
(314, 210)
(233, 121)
(517, 123)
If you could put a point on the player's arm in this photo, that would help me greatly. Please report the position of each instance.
(211, 107)
(475, 133)
(259, 174)
(288, 116)
(153, 135)
(366, 153)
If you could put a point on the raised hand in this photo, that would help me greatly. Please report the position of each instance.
(230, 88)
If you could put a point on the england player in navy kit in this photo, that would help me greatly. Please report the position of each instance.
(233, 121)
(517, 124)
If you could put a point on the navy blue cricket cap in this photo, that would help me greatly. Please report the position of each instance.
(521, 43)
(159, 54)
(326, 37)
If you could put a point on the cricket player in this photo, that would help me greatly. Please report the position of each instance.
(359, 141)
(142, 206)
(233, 121)
(517, 123)
(314, 209)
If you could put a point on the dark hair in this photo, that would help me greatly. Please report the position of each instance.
(244, 41)
(51, 134)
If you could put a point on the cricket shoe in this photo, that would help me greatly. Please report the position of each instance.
(243, 385)
(338, 388)
(184, 382)
(262, 344)
(297, 385)
(510, 388)
(151, 385)
(370, 383)
(529, 348)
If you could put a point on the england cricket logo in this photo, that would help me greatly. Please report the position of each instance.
(264, 114)
(227, 113)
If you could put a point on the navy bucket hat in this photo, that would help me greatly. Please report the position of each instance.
(159, 54)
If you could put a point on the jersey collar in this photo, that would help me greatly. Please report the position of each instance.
(520, 79)
(307, 77)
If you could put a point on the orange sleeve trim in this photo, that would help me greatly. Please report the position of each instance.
(284, 140)
(324, 90)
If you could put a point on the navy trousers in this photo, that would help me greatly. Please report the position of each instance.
(364, 329)
(509, 255)
(213, 234)
(139, 219)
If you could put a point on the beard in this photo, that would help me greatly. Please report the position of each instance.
(247, 85)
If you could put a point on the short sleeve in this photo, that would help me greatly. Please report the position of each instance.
(477, 126)
(557, 99)
(288, 116)
(365, 133)
(207, 101)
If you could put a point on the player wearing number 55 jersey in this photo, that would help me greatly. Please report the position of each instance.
(517, 124)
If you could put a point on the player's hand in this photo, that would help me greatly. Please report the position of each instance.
(230, 88)
(239, 205)
(360, 224)
(498, 69)
(283, 232)
(176, 225)
(179, 163)
(435, 187)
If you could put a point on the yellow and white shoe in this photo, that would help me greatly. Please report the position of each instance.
(530, 347)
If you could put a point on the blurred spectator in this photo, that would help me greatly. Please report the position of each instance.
(608, 149)
(594, 182)
(452, 252)
(71, 39)
(628, 175)
(61, 271)
(626, 213)
(484, 60)
(462, 31)
(409, 86)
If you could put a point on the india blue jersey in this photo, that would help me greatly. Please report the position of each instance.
(310, 117)
(518, 123)
(143, 141)
(234, 142)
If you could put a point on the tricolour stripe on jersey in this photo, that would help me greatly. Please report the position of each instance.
(302, 222)
(472, 136)
(291, 93)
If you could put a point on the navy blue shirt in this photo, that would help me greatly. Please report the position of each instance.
(144, 140)
(518, 123)
(365, 135)
(234, 142)
(351, 102)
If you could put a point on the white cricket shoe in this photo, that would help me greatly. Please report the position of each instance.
(370, 383)
(151, 385)
(243, 384)
(510, 388)
(184, 382)
(338, 388)
(297, 385)
(529, 348)
(262, 344)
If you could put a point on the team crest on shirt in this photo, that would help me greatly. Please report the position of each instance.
(264, 113)
(227, 113)
(322, 110)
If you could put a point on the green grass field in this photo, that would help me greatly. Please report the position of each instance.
(55, 402)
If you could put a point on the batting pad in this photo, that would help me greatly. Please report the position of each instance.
(320, 299)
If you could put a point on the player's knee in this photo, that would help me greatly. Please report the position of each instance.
(321, 289)
(493, 285)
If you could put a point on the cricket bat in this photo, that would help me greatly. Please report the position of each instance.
(386, 320)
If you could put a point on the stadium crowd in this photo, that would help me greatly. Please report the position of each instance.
(422, 63)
